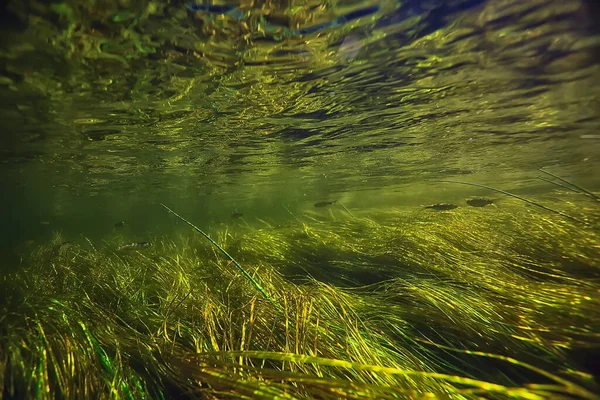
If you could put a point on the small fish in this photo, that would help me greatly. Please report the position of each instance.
(479, 202)
(236, 215)
(63, 245)
(120, 225)
(442, 207)
(324, 203)
(135, 246)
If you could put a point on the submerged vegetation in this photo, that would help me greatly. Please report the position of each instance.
(110, 102)
(494, 302)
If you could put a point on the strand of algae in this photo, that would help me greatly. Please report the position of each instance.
(517, 197)
(584, 191)
(238, 265)
(558, 184)
(344, 207)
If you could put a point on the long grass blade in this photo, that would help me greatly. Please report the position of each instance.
(558, 184)
(585, 191)
(237, 264)
(517, 197)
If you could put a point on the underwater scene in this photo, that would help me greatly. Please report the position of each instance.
(300, 199)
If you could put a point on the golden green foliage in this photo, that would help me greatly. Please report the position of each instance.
(476, 303)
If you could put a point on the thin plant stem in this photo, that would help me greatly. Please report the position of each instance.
(517, 197)
(558, 184)
(345, 208)
(246, 274)
(585, 191)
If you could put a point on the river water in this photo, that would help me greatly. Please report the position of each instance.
(237, 107)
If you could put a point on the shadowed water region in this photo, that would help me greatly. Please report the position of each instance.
(408, 187)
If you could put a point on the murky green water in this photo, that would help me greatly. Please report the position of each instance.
(109, 108)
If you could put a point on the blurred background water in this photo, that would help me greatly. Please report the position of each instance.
(110, 107)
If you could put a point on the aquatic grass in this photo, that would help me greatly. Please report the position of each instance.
(507, 256)
(466, 294)
(472, 385)
(246, 274)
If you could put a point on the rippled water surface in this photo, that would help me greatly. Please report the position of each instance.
(110, 108)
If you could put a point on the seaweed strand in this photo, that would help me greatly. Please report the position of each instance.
(517, 197)
(559, 184)
(238, 265)
(584, 191)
